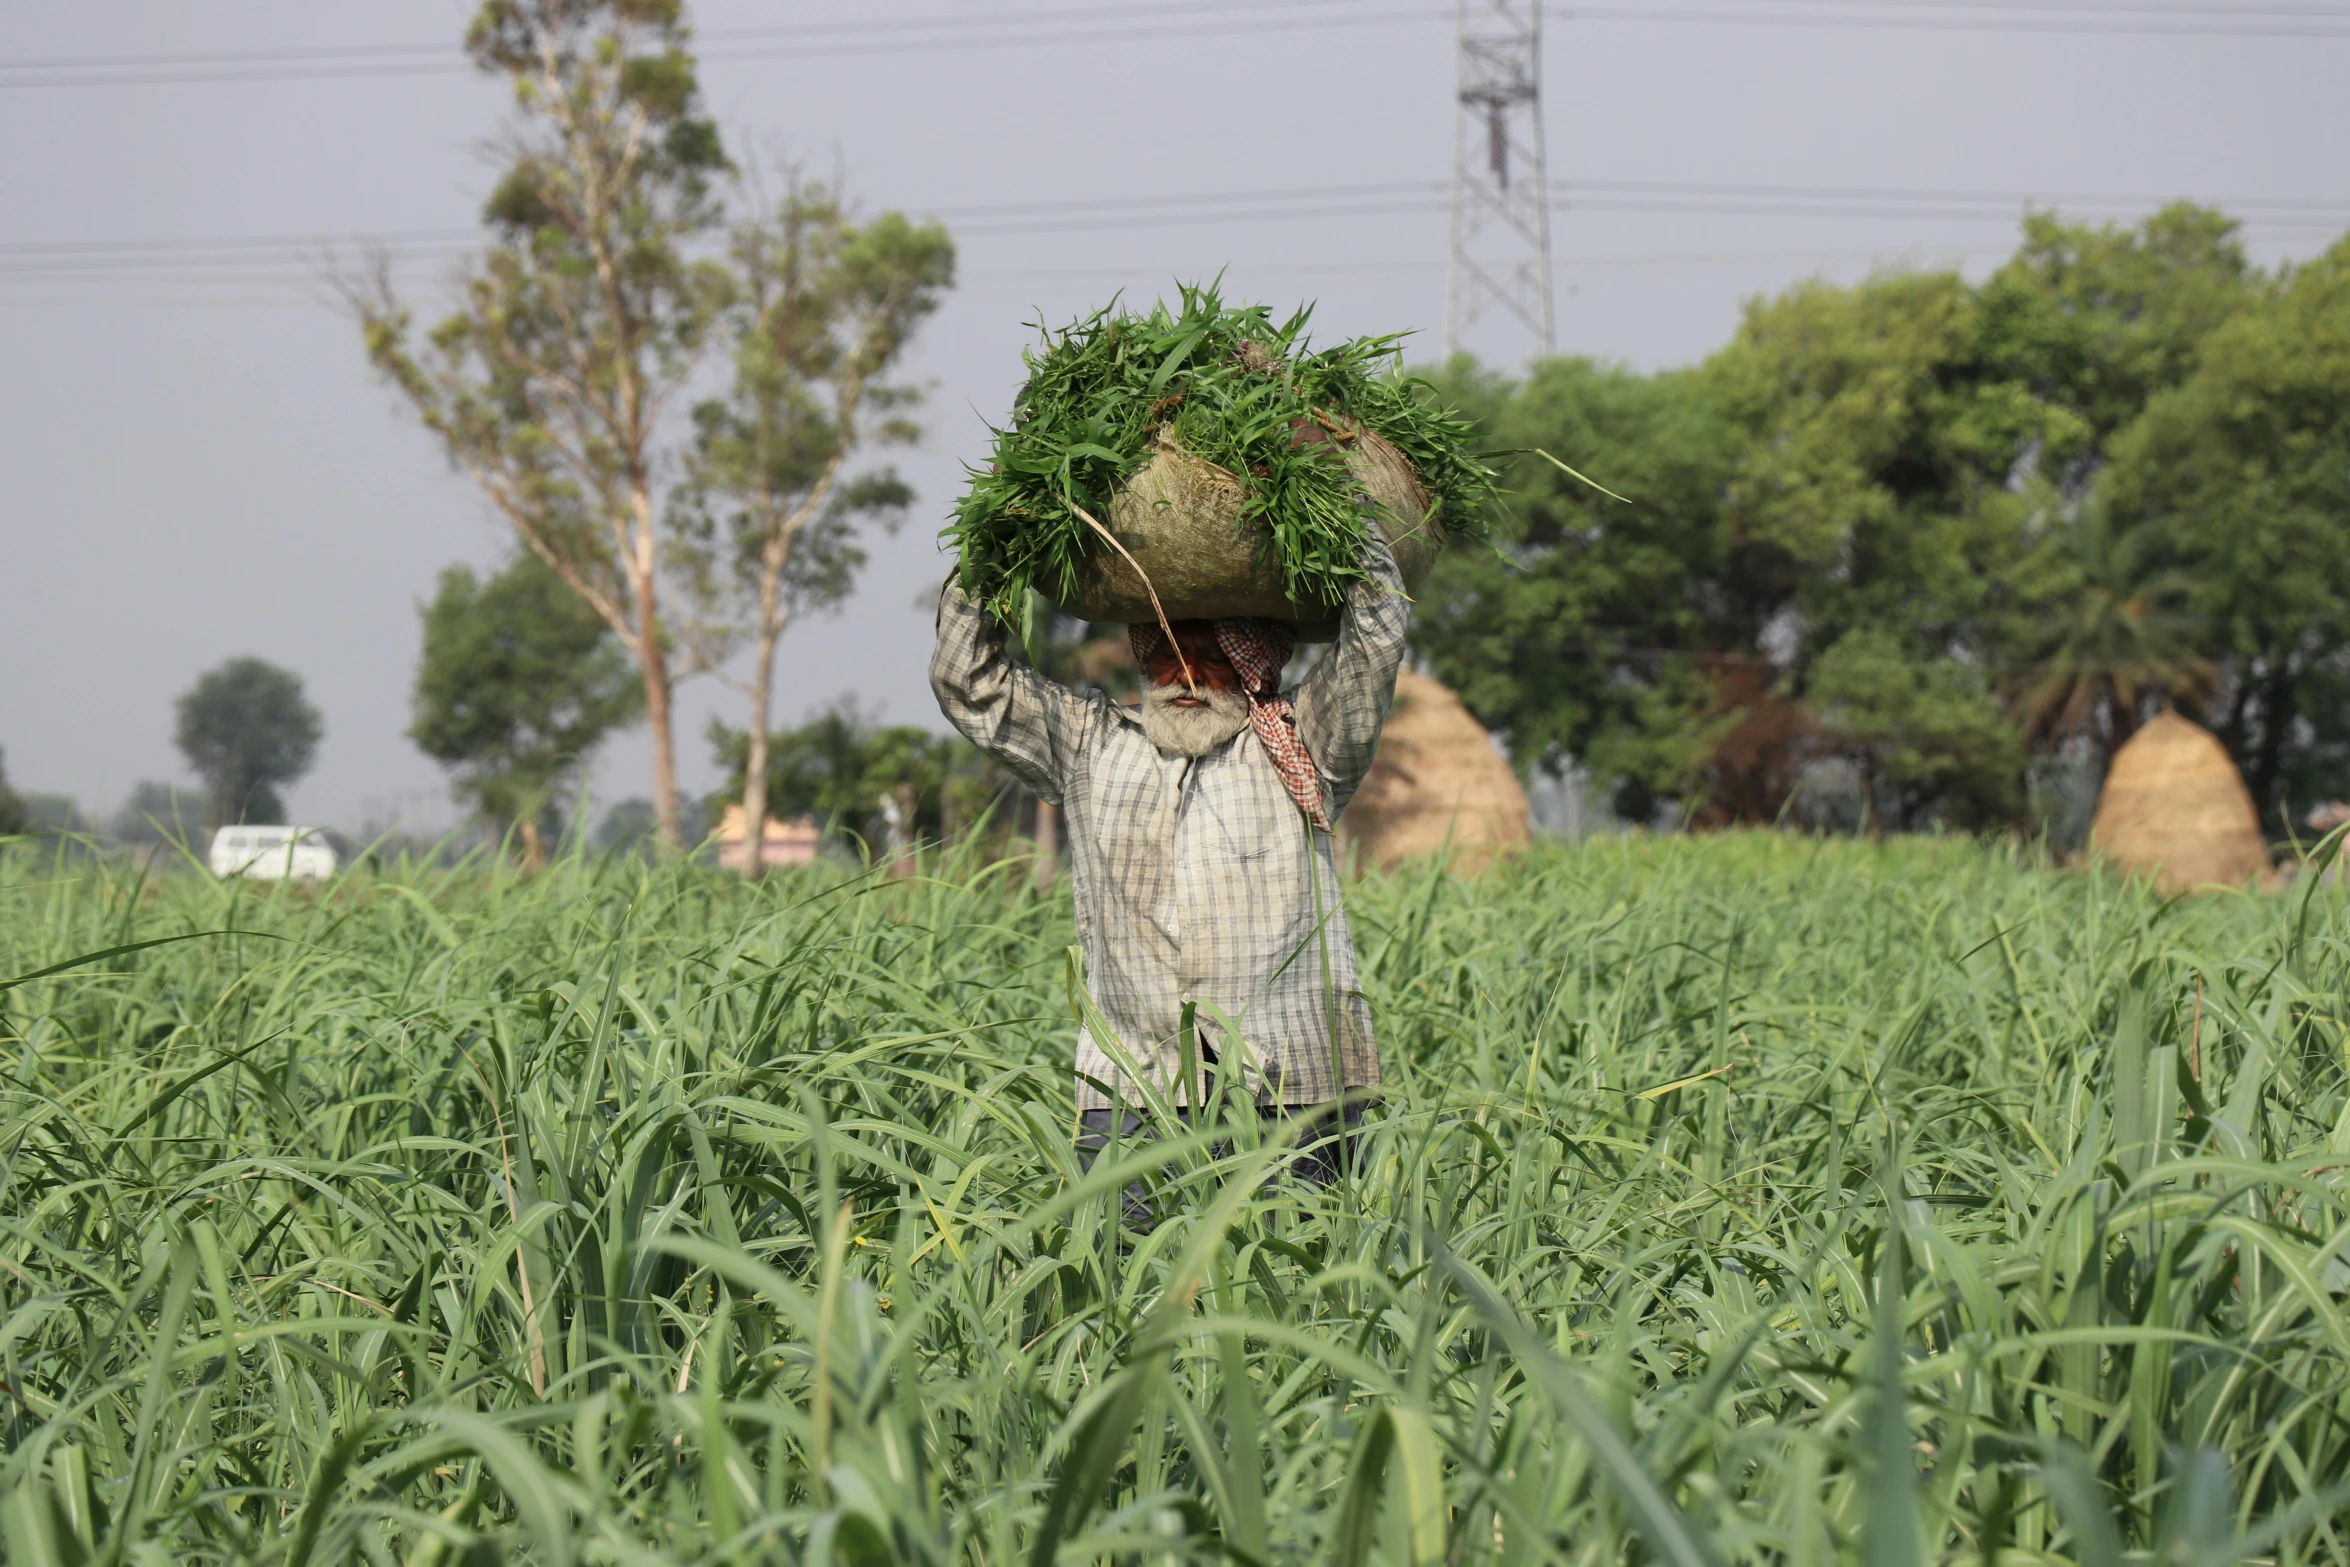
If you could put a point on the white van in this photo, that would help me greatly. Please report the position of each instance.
(272, 853)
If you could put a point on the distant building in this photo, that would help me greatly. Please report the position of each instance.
(791, 842)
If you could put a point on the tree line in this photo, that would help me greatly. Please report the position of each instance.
(1909, 552)
(1931, 540)
(1901, 553)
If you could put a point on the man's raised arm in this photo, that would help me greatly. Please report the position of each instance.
(1344, 701)
(1030, 724)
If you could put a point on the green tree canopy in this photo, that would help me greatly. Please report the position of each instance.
(1843, 464)
(1925, 736)
(1875, 445)
(247, 731)
(2108, 630)
(1561, 632)
(2097, 319)
(518, 683)
(2106, 478)
(2246, 465)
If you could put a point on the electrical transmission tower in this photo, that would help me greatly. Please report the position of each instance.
(1500, 193)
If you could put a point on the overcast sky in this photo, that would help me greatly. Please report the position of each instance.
(195, 462)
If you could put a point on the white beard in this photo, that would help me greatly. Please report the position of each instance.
(1192, 731)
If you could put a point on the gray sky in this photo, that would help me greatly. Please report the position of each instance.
(198, 464)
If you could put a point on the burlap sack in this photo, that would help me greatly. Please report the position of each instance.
(1179, 517)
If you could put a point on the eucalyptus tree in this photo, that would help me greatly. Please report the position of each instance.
(822, 311)
(555, 384)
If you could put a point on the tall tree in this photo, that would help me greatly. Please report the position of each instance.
(248, 731)
(822, 309)
(1842, 463)
(519, 682)
(2097, 318)
(1875, 482)
(1561, 636)
(583, 324)
(2246, 463)
(1926, 736)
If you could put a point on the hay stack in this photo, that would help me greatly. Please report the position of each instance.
(1438, 784)
(2175, 808)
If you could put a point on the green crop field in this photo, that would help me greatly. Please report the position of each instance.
(1745, 1199)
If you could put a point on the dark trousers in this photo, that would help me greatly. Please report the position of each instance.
(1325, 1146)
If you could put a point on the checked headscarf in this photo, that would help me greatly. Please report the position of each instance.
(1259, 649)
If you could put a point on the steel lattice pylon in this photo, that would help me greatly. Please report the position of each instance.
(1500, 189)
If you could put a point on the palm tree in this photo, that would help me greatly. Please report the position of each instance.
(2123, 638)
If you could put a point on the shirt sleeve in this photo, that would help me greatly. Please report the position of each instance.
(1344, 701)
(1030, 724)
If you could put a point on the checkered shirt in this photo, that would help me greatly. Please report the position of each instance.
(1197, 878)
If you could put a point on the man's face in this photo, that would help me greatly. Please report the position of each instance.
(1196, 717)
(1210, 669)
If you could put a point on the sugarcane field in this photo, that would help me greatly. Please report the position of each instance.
(860, 786)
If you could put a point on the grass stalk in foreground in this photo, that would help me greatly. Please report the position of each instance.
(633, 1214)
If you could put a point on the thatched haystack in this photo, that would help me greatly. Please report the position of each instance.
(1438, 785)
(2175, 808)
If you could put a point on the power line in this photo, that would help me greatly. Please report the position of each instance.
(1597, 261)
(2094, 8)
(456, 52)
(301, 289)
(1094, 26)
(2090, 21)
(319, 52)
(1917, 213)
(235, 242)
(731, 45)
(130, 257)
(1917, 193)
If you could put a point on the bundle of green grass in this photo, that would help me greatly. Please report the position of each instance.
(1205, 462)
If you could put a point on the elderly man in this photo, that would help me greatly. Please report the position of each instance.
(1198, 830)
